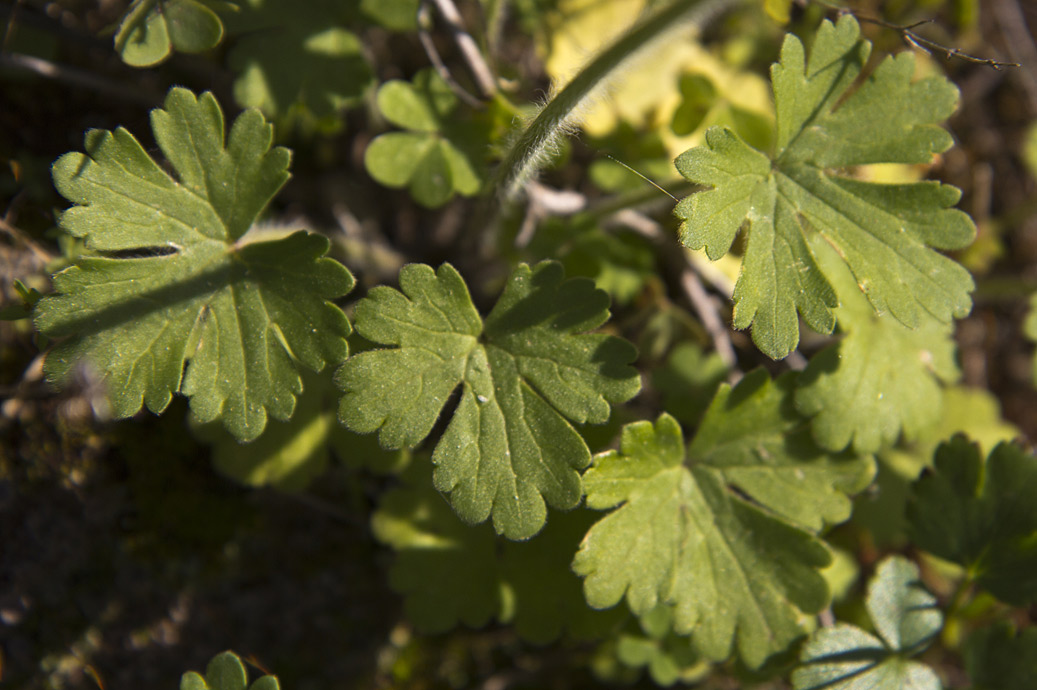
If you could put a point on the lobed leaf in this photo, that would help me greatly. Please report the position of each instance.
(509, 448)
(981, 515)
(239, 317)
(885, 233)
(719, 538)
(881, 379)
(844, 657)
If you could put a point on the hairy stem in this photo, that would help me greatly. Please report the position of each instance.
(530, 150)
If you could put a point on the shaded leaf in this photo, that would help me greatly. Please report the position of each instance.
(292, 56)
(508, 449)
(981, 515)
(688, 381)
(884, 232)
(999, 657)
(451, 573)
(288, 455)
(971, 411)
(844, 657)
(184, 290)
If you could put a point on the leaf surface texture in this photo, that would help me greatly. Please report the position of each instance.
(525, 374)
(885, 233)
(240, 317)
(725, 530)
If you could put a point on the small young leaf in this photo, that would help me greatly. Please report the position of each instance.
(508, 448)
(844, 657)
(981, 515)
(152, 29)
(241, 317)
(226, 672)
(732, 568)
(431, 159)
(883, 232)
(880, 379)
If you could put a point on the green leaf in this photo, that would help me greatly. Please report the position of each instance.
(293, 56)
(884, 232)
(226, 672)
(972, 411)
(432, 159)
(880, 379)
(445, 569)
(183, 289)
(757, 442)
(704, 105)
(152, 29)
(523, 373)
(682, 533)
(844, 657)
(688, 381)
(28, 298)
(450, 573)
(981, 516)
(1000, 657)
(396, 15)
(778, 10)
(288, 455)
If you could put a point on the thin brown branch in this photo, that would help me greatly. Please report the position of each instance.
(23, 238)
(912, 38)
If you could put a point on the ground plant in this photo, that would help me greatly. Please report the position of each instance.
(518, 344)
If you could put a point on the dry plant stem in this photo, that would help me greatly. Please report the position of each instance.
(22, 237)
(693, 289)
(707, 311)
(77, 77)
(424, 23)
(469, 51)
(908, 34)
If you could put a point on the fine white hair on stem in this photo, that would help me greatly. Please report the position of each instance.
(561, 115)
